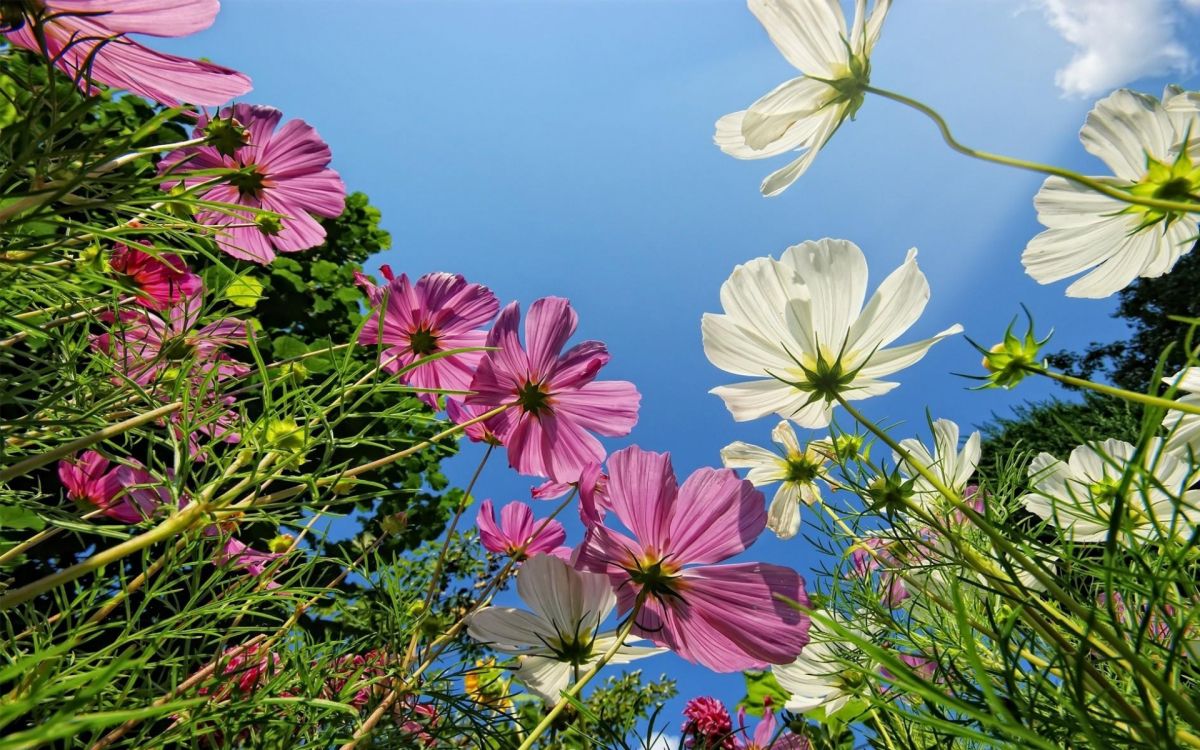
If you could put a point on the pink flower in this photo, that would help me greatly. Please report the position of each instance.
(86, 40)
(147, 346)
(708, 726)
(243, 669)
(236, 554)
(764, 733)
(285, 172)
(874, 555)
(125, 493)
(555, 396)
(518, 534)
(725, 617)
(440, 313)
(163, 279)
(363, 673)
(479, 433)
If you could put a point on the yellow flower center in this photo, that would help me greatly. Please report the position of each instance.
(1178, 181)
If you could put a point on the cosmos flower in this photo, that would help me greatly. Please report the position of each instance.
(519, 534)
(1079, 496)
(284, 171)
(460, 413)
(1183, 429)
(125, 492)
(796, 470)
(242, 670)
(239, 555)
(951, 466)
(764, 736)
(87, 40)
(725, 617)
(148, 346)
(163, 279)
(803, 113)
(560, 635)
(798, 326)
(440, 313)
(874, 554)
(1153, 150)
(557, 401)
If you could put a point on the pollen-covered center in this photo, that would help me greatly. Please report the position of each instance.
(423, 342)
(533, 398)
(249, 182)
(176, 349)
(656, 576)
(573, 649)
(801, 469)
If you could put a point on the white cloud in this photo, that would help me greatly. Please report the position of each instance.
(1117, 41)
(666, 742)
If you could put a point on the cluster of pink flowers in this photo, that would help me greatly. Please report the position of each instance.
(710, 727)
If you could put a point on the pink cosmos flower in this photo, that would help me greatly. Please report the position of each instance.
(285, 171)
(125, 493)
(243, 670)
(874, 555)
(363, 673)
(557, 400)
(725, 617)
(147, 346)
(237, 554)
(163, 279)
(708, 725)
(440, 313)
(517, 535)
(86, 40)
(458, 413)
(764, 734)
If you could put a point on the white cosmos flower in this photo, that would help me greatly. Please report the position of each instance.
(798, 326)
(828, 673)
(560, 635)
(1183, 429)
(952, 466)
(1142, 140)
(796, 470)
(803, 113)
(1077, 496)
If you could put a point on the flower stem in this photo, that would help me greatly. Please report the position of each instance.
(574, 690)
(1032, 166)
(1108, 390)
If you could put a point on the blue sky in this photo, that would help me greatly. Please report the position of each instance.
(564, 148)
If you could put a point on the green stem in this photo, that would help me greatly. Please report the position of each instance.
(1032, 166)
(1108, 390)
(1118, 644)
(40, 460)
(574, 690)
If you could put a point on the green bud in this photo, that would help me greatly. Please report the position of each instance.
(394, 524)
(226, 135)
(1009, 362)
(286, 437)
(269, 224)
(282, 543)
(890, 494)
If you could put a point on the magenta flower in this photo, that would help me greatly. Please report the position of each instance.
(163, 280)
(236, 554)
(147, 346)
(243, 670)
(285, 171)
(460, 413)
(557, 402)
(725, 617)
(87, 40)
(874, 555)
(708, 726)
(440, 313)
(125, 493)
(764, 734)
(517, 535)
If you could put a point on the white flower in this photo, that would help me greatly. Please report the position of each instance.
(803, 113)
(953, 467)
(560, 635)
(828, 673)
(1183, 429)
(1078, 496)
(1142, 140)
(798, 324)
(797, 471)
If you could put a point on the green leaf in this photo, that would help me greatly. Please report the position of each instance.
(324, 271)
(12, 517)
(8, 101)
(287, 346)
(761, 686)
(244, 291)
